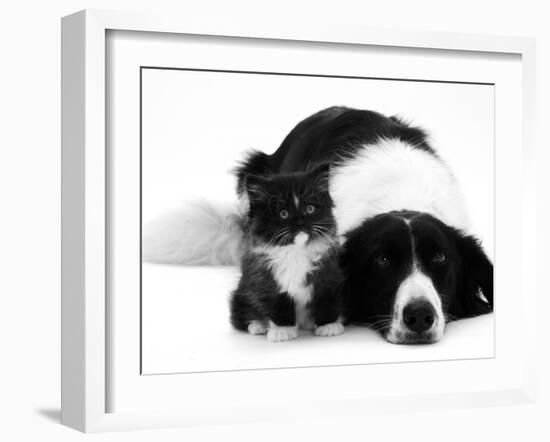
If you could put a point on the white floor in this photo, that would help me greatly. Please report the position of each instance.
(186, 328)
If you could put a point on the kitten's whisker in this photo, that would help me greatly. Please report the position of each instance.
(323, 229)
(325, 236)
(324, 226)
(323, 233)
(273, 241)
(280, 238)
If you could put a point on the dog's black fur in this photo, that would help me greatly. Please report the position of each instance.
(327, 136)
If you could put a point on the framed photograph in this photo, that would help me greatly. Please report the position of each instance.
(266, 222)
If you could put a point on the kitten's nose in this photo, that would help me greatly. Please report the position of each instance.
(299, 222)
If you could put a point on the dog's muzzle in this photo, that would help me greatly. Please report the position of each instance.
(418, 316)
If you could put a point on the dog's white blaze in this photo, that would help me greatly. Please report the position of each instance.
(417, 286)
(290, 265)
(392, 175)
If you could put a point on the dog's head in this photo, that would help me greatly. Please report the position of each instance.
(409, 274)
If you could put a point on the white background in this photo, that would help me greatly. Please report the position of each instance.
(196, 126)
(29, 178)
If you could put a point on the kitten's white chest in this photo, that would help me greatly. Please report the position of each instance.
(290, 266)
(292, 263)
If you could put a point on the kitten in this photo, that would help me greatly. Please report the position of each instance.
(290, 273)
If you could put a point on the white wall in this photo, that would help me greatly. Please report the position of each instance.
(29, 234)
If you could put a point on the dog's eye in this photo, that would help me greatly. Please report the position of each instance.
(382, 261)
(439, 258)
(310, 208)
(283, 214)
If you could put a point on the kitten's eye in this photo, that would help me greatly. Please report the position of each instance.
(439, 258)
(310, 208)
(382, 261)
(283, 214)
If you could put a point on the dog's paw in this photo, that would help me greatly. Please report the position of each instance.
(281, 334)
(332, 329)
(257, 327)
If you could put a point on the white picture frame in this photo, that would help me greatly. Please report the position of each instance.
(86, 354)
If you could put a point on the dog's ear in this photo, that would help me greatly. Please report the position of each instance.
(474, 294)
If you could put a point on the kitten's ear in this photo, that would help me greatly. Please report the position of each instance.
(256, 187)
(321, 175)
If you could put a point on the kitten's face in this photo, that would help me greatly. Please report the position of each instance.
(285, 209)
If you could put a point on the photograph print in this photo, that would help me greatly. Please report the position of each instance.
(312, 220)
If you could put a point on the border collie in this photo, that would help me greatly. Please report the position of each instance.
(411, 266)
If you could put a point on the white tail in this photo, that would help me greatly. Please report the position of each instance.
(201, 233)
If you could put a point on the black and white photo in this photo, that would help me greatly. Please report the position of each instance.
(231, 166)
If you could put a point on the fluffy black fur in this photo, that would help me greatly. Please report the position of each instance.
(304, 200)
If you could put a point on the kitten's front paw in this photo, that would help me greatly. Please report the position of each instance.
(257, 327)
(281, 334)
(332, 329)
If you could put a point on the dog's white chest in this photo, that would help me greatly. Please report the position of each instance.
(392, 175)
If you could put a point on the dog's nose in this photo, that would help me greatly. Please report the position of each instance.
(419, 316)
